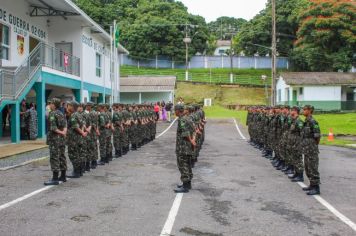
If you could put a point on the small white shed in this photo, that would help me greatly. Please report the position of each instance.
(323, 90)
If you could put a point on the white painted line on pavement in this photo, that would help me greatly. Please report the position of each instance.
(238, 129)
(167, 128)
(23, 164)
(332, 209)
(6, 205)
(167, 228)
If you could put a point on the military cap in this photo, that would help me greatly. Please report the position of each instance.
(308, 107)
(89, 103)
(73, 103)
(56, 102)
(295, 108)
(179, 107)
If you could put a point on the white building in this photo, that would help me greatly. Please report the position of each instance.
(323, 90)
(222, 46)
(147, 89)
(51, 48)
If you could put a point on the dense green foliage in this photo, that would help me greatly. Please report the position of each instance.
(326, 37)
(258, 30)
(151, 27)
(317, 35)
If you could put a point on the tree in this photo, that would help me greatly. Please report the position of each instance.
(150, 27)
(223, 26)
(326, 36)
(258, 30)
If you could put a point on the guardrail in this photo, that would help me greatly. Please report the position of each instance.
(12, 83)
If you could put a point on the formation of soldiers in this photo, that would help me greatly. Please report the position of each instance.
(85, 126)
(190, 138)
(285, 138)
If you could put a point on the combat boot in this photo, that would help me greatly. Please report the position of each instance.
(133, 147)
(82, 168)
(101, 162)
(189, 185)
(307, 188)
(280, 166)
(315, 190)
(63, 176)
(93, 164)
(54, 180)
(87, 166)
(183, 189)
(298, 178)
(107, 159)
(75, 174)
(292, 176)
(276, 163)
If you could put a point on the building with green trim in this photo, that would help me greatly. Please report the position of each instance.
(327, 91)
(51, 48)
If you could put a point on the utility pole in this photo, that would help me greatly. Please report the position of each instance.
(187, 40)
(274, 54)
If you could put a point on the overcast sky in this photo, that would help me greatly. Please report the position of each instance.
(212, 9)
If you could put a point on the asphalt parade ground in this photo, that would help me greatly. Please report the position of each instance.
(235, 192)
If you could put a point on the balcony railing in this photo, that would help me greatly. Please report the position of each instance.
(12, 83)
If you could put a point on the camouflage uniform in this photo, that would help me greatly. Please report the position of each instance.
(56, 142)
(294, 145)
(75, 141)
(117, 135)
(184, 149)
(311, 133)
(102, 137)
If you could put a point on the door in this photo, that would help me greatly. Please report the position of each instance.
(33, 43)
(63, 56)
(295, 97)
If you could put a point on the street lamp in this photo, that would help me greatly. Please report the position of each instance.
(187, 40)
(264, 79)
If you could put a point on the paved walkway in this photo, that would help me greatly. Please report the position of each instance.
(235, 192)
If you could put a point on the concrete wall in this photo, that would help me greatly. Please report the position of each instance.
(36, 27)
(207, 62)
(146, 97)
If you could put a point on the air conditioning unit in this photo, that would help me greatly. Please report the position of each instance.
(207, 102)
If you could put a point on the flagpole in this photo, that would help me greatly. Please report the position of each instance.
(111, 79)
(115, 61)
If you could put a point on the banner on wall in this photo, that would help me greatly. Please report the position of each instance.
(20, 45)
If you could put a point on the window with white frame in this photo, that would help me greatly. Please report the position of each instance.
(4, 42)
(98, 65)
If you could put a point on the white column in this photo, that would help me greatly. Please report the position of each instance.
(140, 98)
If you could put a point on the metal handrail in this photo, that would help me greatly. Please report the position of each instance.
(14, 82)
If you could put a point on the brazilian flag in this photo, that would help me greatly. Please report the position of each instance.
(117, 35)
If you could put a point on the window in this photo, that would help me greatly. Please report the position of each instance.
(98, 65)
(4, 42)
(300, 91)
(221, 51)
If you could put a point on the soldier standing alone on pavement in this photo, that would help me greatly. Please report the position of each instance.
(185, 145)
(311, 139)
(57, 130)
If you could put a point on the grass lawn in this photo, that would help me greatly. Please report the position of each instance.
(216, 75)
(341, 123)
(220, 95)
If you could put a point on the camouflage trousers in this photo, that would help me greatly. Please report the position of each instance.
(109, 145)
(102, 145)
(75, 153)
(125, 137)
(117, 138)
(57, 156)
(93, 148)
(311, 162)
(185, 167)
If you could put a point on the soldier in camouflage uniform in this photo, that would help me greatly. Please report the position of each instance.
(92, 138)
(57, 130)
(185, 145)
(310, 142)
(127, 123)
(109, 132)
(102, 124)
(75, 139)
(294, 148)
(118, 129)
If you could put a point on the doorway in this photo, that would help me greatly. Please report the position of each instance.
(33, 43)
(63, 56)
